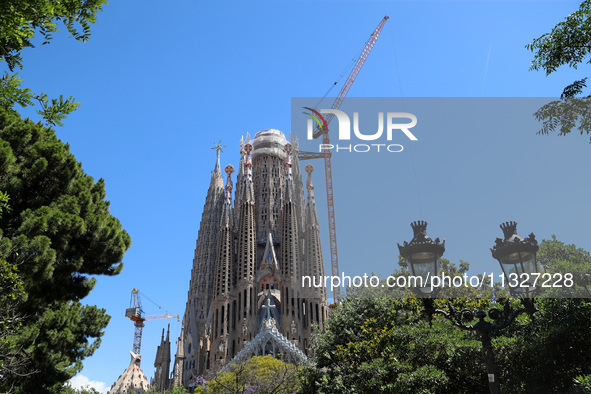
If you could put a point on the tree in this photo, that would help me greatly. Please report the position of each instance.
(13, 363)
(556, 257)
(386, 345)
(262, 374)
(20, 20)
(569, 43)
(58, 231)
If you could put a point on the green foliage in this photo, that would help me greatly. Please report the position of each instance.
(568, 43)
(52, 110)
(262, 374)
(13, 362)
(565, 115)
(547, 355)
(4, 202)
(556, 257)
(385, 344)
(582, 384)
(58, 232)
(20, 20)
(174, 390)
(67, 389)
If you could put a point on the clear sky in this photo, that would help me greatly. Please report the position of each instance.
(160, 82)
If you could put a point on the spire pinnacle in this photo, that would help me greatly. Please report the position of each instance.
(248, 160)
(229, 170)
(218, 149)
(288, 150)
(227, 209)
(309, 185)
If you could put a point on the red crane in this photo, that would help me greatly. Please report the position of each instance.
(326, 153)
(136, 314)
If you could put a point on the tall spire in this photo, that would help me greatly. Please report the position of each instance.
(227, 209)
(315, 266)
(225, 255)
(177, 372)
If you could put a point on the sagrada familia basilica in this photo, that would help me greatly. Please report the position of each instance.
(245, 295)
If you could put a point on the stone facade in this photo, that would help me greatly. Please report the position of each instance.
(249, 259)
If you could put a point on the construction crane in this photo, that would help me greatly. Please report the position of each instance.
(326, 153)
(136, 314)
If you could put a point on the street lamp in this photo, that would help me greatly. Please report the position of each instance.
(423, 255)
(516, 255)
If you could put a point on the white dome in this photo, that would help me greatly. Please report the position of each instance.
(269, 142)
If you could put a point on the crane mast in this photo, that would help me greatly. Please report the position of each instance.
(136, 314)
(332, 229)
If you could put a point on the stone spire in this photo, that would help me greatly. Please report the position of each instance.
(247, 240)
(205, 250)
(162, 363)
(202, 274)
(132, 380)
(240, 177)
(289, 245)
(297, 184)
(288, 178)
(225, 255)
(177, 372)
(315, 265)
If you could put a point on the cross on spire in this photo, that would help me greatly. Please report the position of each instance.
(218, 148)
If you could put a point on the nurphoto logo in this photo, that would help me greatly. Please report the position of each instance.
(393, 124)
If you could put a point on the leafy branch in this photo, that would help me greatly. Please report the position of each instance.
(52, 110)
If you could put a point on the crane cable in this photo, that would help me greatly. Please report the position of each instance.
(149, 299)
(342, 74)
(412, 159)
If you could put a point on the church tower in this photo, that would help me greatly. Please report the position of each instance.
(245, 293)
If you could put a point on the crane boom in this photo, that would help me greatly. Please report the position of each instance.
(332, 228)
(354, 72)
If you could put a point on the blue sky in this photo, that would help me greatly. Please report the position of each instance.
(160, 82)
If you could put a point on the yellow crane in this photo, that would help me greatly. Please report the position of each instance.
(136, 314)
(332, 228)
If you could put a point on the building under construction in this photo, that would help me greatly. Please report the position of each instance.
(245, 294)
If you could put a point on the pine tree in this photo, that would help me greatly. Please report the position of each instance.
(58, 231)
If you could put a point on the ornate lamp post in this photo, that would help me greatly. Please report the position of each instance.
(423, 255)
(516, 255)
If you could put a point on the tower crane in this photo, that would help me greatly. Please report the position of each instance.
(326, 153)
(136, 314)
